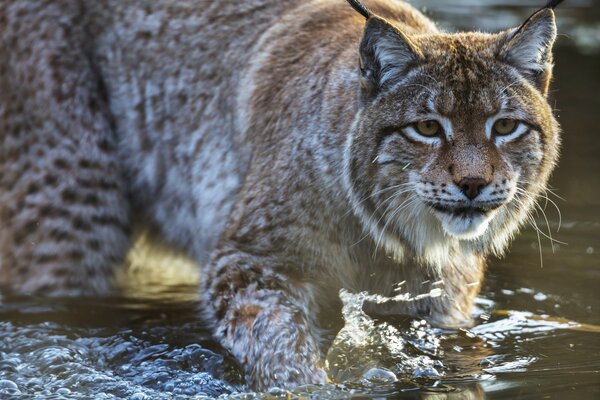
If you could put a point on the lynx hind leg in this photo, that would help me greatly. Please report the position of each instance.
(265, 319)
(63, 212)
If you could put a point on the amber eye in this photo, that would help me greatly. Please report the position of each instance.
(428, 128)
(505, 126)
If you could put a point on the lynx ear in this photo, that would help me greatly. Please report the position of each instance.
(385, 54)
(529, 48)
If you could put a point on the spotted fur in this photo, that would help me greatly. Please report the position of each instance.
(273, 141)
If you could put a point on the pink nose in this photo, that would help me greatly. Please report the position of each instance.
(471, 187)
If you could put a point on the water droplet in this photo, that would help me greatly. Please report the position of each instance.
(275, 391)
(540, 296)
(6, 384)
(425, 372)
(139, 396)
(525, 290)
(380, 375)
(63, 391)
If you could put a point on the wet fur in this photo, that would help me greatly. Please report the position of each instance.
(252, 135)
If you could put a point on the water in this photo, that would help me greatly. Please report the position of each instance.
(536, 334)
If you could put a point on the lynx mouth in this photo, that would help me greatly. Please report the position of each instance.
(464, 223)
(461, 211)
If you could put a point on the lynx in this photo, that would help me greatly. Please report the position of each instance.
(292, 148)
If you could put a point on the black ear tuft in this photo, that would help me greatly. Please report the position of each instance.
(553, 3)
(385, 54)
(360, 8)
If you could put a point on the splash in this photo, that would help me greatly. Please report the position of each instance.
(366, 350)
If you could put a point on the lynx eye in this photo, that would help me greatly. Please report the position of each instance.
(428, 128)
(505, 126)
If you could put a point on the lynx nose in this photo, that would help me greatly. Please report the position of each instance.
(471, 187)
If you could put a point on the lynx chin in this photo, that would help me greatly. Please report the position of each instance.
(292, 148)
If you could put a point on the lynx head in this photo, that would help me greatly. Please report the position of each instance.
(455, 138)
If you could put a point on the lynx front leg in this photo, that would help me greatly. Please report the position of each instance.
(444, 296)
(265, 318)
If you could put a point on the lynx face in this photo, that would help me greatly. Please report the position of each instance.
(456, 137)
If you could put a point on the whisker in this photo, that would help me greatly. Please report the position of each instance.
(402, 189)
(402, 206)
(531, 221)
(380, 191)
(537, 230)
(537, 207)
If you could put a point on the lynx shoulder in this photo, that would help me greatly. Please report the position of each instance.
(291, 148)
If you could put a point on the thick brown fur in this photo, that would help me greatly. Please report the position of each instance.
(274, 141)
